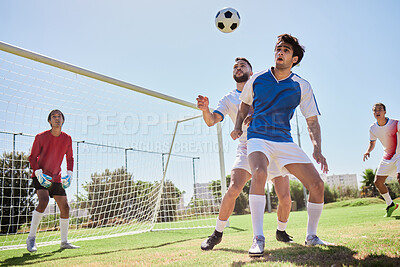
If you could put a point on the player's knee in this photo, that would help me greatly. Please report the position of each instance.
(234, 190)
(43, 202)
(259, 173)
(317, 186)
(378, 182)
(285, 200)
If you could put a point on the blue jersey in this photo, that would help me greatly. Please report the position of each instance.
(274, 104)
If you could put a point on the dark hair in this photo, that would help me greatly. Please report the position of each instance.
(51, 113)
(245, 60)
(298, 50)
(380, 104)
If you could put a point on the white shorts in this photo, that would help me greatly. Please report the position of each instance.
(279, 154)
(389, 167)
(242, 162)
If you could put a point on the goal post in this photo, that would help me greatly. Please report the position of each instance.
(144, 161)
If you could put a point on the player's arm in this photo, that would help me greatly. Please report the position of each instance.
(369, 150)
(70, 156)
(241, 115)
(35, 151)
(210, 118)
(66, 180)
(314, 131)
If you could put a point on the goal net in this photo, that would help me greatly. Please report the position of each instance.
(143, 161)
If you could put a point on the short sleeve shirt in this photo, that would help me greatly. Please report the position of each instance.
(274, 104)
(388, 135)
(229, 105)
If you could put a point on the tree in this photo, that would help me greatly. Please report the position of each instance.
(296, 193)
(242, 200)
(113, 196)
(110, 196)
(16, 195)
(368, 188)
(169, 202)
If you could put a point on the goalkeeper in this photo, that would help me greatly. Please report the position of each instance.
(46, 156)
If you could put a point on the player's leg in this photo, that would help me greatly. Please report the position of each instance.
(62, 203)
(310, 178)
(282, 189)
(384, 191)
(239, 177)
(387, 167)
(258, 164)
(43, 198)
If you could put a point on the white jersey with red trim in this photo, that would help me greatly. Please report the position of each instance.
(389, 136)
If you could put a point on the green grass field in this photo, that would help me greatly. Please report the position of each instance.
(363, 237)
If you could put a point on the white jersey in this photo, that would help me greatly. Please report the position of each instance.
(229, 104)
(389, 136)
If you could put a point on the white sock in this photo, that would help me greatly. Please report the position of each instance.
(36, 217)
(257, 208)
(64, 224)
(281, 225)
(387, 198)
(220, 225)
(314, 211)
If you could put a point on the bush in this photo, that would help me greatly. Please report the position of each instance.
(16, 196)
(329, 194)
(394, 189)
(296, 193)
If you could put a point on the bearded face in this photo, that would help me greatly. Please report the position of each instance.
(242, 78)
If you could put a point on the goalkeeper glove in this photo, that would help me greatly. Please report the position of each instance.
(43, 179)
(66, 180)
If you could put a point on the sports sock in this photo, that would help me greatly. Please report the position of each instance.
(387, 198)
(257, 208)
(314, 211)
(220, 225)
(36, 217)
(281, 226)
(64, 224)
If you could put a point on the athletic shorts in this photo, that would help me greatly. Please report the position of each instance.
(389, 167)
(280, 153)
(242, 162)
(55, 189)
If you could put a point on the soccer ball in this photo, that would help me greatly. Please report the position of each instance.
(227, 20)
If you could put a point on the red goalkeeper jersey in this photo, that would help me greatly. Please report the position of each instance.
(48, 153)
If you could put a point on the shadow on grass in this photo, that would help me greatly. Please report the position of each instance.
(33, 258)
(316, 256)
(397, 217)
(27, 257)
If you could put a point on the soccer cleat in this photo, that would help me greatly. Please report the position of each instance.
(31, 244)
(283, 237)
(211, 241)
(314, 241)
(66, 245)
(257, 248)
(390, 209)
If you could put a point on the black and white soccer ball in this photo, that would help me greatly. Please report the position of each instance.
(227, 20)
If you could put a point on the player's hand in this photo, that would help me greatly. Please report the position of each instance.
(321, 160)
(235, 134)
(43, 179)
(66, 180)
(366, 156)
(202, 103)
(247, 120)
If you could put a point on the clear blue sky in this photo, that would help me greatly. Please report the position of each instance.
(173, 47)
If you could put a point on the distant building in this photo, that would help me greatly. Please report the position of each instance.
(341, 180)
